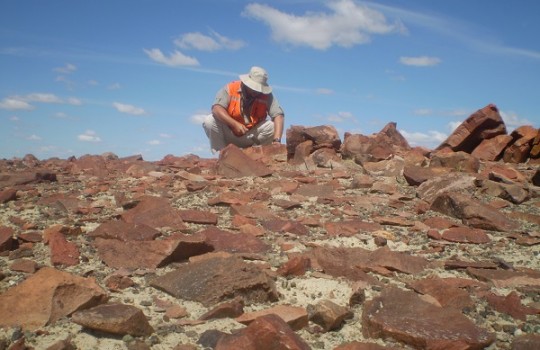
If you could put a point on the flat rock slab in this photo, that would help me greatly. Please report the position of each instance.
(155, 212)
(45, 297)
(295, 316)
(210, 281)
(150, 254)
(125, 231)
(507, 278)
(115, 319)
(404, 316)
(231, 242)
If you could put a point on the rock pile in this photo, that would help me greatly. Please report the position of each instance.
(360, 243)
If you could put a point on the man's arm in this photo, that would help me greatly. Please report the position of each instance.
(278, 127)
(221, 113)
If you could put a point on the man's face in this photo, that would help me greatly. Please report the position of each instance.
(250, 93)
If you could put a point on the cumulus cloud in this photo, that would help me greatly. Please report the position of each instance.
(431, 139)
(324, 91)
(67, 69)
(154, 142)
(175, 59)
(128, 109)
(420, 61)
(14, 103)
(89, 136)
(340, 117)
(512, 120)
(347, 24)
(212, 42)
(34, 137)
(198, 118)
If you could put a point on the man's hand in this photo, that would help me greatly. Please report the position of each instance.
(239, 129)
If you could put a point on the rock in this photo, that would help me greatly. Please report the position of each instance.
(465, 235)
(492, 149)
(291, 226)
(8, 195)
(514, 193)
(459, 161)
(405, 317)
(25, 178)
(507, 278)
(416, 175)
(266, 332)
(296, 317)
(24, 265)
(150, 254)
(518, 151)
(227, 241)
(535, 180)
(155, 212)
(526, 342)
(6, 238)
(198, 217)
(47, 296)
(63, 252)
(452, 182)
(350, 227)
(215, 280)
(473, 212)
(485, 123)
(312, 138)
(447, 292)
(125, 231)
(511, 305)
(329, 315)
(234, 163)
(231, 309)
(115, 319)
(535, 147)
(296, 266)
(355, 345)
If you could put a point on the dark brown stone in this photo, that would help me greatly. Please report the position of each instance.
(155, 212)
(8, 195)
(227, 241)
(416, 175)
(6, 238)
(115, 319)
(215, 280)
(507, 278)
(199, 217)
(266, 332)
(296, 317)
(230, 309)
(234, 163)
(329, 315)
(492, 149)
(125, 231)
(405, 317)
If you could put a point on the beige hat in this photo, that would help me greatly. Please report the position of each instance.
(256, 80)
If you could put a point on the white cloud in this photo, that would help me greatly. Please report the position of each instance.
(44, 98)
(512, 120)
(128, 109)
(114, 86)
(420, 61)
(14, 118)
(89, 136)
(430, 139)
(33, 137)
(154, 142)
(454, 125)
(198, 118)
(15, 103)
(423, 111)
(347, 25)
(165, 136)
(199, 41)
(174, 60)
(340, 117)
(68, 68)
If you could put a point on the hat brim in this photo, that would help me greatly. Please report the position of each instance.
(253, 85)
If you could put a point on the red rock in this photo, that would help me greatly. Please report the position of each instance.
(296, 266)
(355, 345)
(526, 342)
(23, 265)
(115, 319)
(329, 315)
(150, 254)
(32, 237)
(445, 291)
(63, 252)
(25, 178)
(511, 305)
(257, 210)
(231, 309)
(452, 182)
(199, 217)
(507, 278)
(483, 124)
(473, 212)
(405, 317)
(518, 151)
(416, 175)
(327, 158)
(117, 283)
(296, 317)
(6, 238)
(155, 212)
(125, 231)
(514, 193)
(535, 147)
(291, 226)
(465, 235)
(47, 296)
(491, 149)
(266, 332)
(459, 161)
(302, 152)
(234, 163)
(394, 261)
(214, 280)
(8, 195)
(341, 262)
(227, 241)
(461, 264)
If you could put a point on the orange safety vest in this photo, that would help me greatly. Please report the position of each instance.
(259, 108)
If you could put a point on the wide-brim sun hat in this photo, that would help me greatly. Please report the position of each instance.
(257, 80)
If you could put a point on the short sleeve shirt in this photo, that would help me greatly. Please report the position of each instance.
(223, 98)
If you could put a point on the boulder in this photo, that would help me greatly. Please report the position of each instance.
(234, 163)
(519, 150)
(492, 149)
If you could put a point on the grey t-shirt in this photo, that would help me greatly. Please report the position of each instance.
(223, 98)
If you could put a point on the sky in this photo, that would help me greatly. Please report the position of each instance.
(136, 77)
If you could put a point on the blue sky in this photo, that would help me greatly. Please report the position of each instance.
(135, 77)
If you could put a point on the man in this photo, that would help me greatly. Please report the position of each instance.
(240, 110)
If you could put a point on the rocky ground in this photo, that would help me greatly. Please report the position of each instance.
(416, 251)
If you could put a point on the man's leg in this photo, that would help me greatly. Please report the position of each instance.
(214, 131)
(263, 132)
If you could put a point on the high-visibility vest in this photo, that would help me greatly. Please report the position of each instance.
(259, 108)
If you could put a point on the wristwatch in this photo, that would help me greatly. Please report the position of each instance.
(278, 140)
